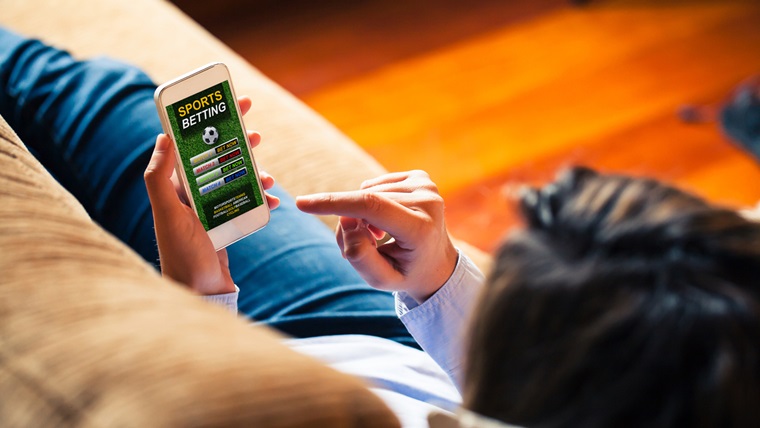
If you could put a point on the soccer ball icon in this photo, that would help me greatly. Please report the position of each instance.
(210, 135)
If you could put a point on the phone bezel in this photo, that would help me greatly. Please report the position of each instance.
(181, 88)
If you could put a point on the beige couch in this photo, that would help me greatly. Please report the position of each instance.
(90, 335)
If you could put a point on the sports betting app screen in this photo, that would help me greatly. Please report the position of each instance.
(214, 155)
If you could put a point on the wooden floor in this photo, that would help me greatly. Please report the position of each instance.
(486, 95)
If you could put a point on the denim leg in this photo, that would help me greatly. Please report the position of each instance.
(93, 125)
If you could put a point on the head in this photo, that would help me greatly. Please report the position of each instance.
(622, 303)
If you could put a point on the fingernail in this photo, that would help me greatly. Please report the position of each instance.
(162, 142)
(349, 223)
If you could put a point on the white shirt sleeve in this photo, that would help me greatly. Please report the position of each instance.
(227, 301)
(440, 323)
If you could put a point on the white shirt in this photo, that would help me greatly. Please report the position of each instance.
(411, 382)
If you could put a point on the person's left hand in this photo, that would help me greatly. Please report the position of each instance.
(419, 258)
(185, 250)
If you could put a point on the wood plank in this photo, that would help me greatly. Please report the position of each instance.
(694, 157)
(306, 45)
(487, 95)
(620, 67)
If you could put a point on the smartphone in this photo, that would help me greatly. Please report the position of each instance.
(199, 111)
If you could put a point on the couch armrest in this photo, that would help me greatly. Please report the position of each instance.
(90, 335)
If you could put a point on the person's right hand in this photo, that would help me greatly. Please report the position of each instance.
(185, 250)
(419, 258)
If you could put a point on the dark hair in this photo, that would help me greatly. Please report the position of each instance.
(623, 303)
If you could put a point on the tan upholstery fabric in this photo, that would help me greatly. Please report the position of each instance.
(90, 336)
(304, 152)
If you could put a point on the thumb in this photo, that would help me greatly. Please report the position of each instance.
(360, 249)
(158, 175)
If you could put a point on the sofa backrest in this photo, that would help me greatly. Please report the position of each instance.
(303, 151)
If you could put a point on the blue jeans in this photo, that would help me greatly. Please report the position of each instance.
(93, 125)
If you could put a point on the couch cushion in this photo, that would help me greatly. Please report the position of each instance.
(90, 335)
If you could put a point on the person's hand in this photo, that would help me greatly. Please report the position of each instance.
(185, 249)
(419, 258)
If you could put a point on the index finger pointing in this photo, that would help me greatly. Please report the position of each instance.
(376, 209)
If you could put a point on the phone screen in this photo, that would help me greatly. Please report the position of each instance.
(214, 155)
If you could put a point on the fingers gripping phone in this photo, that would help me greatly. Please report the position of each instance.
(199, 111)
